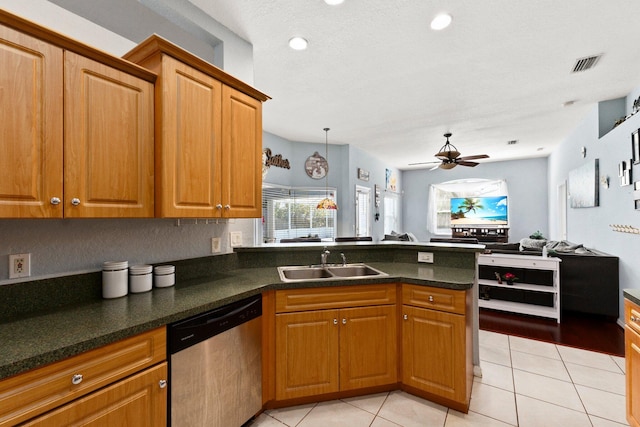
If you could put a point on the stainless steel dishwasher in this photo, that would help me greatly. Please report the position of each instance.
(215, 366)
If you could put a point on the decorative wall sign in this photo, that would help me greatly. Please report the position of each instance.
(624, 173)
(635, 147)
(276, 160)
(583, 185)
(316, 166)
(363, 175)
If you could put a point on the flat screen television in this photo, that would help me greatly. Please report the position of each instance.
(479, 211)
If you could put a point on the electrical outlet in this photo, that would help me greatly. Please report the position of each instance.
(235, 238)
(215, 245)
(425, 257)
(19, 265)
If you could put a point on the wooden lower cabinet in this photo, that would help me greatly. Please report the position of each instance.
(632, 357)
(136, 401)
(326, 351)
(436, 345)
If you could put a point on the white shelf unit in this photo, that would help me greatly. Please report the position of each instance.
(546, 284)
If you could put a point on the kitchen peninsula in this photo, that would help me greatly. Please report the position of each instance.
(55, 319)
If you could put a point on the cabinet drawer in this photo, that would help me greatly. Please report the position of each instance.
(526, 261)
(441, 299)
(29, 394)
(632, 315)
(290, 300)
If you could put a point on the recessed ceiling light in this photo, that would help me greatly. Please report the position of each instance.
(298, 43)
(441, 21)
(333, 2)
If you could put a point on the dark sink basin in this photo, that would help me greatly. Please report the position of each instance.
(299, 273)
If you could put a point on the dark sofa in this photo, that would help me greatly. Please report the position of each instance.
(589, 279)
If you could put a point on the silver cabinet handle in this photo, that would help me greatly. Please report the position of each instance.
(405, 317)
(76, 379)
(344, 321)
(218, 206)
(634, 319)
(55, 201)
(430, 298)
(335, 321)
(227, 207)
(162, 383)
(75, 201)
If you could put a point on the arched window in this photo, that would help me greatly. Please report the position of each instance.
(439, 212)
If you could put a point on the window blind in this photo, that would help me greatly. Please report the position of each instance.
(290, 212)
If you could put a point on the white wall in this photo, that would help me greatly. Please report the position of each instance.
(590, 226)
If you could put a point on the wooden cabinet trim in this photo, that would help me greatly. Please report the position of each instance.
(67, 43)
(632, 310)
(32, 393)
(154, 44)
(291, 300)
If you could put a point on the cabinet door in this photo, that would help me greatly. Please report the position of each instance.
(31, 126)
(241, 155)
(108, 141)
(368, 347)
(139, 400)
(433, 344)
(306, 353)
(189, 125)
(632, 356)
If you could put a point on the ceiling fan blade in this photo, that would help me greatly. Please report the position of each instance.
(477, 156)
(465, 163)
(436, 167)
(423, 163)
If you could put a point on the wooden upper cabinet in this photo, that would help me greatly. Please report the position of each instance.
(76, 123)
(208, 136)
(31, 126)
(108, 149)
(241, 154)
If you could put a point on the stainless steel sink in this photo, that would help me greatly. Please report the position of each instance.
(299, 273)
(303, 273)
(358, 270)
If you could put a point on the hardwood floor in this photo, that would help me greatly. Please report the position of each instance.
(575, 330)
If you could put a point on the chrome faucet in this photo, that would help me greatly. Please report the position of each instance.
(344, 259)
(323, 256)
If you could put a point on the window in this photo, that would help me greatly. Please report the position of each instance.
(391, 212)
(439, 213)
(289, 212)
(363, 211)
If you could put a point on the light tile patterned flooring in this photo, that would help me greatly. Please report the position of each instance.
(524, 383)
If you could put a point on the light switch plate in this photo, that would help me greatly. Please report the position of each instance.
(215, 245)
(235, 238)
(425, 257)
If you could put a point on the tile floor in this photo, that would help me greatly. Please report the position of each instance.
(524, 383)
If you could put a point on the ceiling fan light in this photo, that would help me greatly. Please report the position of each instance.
(448, 165)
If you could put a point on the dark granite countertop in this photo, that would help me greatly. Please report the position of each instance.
(36, 339)
(632, 295)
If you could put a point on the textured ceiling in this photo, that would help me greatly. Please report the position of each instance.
(382, 80)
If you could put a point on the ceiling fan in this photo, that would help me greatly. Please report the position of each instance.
(450, 157)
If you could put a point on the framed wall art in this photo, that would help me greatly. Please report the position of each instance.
(583, 185)
(635, 147)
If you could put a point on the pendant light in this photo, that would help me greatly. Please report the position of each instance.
(327, 203)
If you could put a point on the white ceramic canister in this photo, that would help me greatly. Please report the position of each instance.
(140, 278)
(114, 279)
(164, 276)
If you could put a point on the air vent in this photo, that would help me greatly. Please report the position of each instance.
(584, 64)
